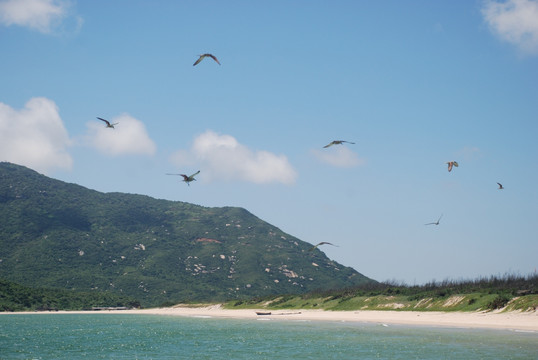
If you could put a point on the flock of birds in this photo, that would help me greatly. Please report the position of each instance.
(190, 178)
(452, 164)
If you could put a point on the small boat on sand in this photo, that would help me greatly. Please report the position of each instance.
(269, 313)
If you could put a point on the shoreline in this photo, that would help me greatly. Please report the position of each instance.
(520, 321)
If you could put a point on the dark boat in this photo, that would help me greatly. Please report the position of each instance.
(262, 313)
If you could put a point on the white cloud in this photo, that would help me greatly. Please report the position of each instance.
(514, 21)
(34, 136)
(41, 15)
(128, 137)
(223, 157)
(339, 156)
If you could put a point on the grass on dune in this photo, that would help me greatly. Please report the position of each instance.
(509, 293)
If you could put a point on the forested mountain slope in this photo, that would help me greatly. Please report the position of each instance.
(59, 235)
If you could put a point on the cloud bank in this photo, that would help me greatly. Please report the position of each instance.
(34, 136)
(514, 21)
(129, 137)
(222, 157)
(41, 15)
(338, 156)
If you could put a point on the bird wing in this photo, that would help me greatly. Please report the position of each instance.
(436, 222)
(214, 58)
(315, 246)
(455, 163)
(198, 61)
(329, 144)
(107, 122)
(196, 173)
(349, 142)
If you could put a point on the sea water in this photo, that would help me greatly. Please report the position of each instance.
(127, 336)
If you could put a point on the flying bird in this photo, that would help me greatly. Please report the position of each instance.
(186, 178)
(450, 164)
(321, 243)
(108, 124)
(500, 186)
(435, 223)
(203, 56)
(338, 142)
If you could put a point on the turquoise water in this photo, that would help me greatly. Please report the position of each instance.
(111, 336)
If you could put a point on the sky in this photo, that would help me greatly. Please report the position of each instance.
(412, 84)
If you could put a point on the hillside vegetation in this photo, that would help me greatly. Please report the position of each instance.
(15, 297)
(508, 293)
(63, 236)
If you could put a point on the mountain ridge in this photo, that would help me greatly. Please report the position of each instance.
(63, 235)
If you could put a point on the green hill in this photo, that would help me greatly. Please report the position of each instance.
(59, 235)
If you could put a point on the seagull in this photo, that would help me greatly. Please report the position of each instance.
(321, 243)
(450, 164)
(186, 178)
(338, 142)
(108, 124)
(204, 56)
(435, 223)
(500, 186)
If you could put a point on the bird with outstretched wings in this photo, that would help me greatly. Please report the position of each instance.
(321, 243)
(108, 124)
(338, 142)
(451, 164)
(203, 56)
(187, 178)
(436, 222)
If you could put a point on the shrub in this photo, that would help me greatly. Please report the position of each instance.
(499, 302)
(472, 301)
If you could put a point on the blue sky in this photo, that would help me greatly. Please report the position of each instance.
(412, 84)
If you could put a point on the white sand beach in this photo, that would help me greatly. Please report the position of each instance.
(521, 321)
